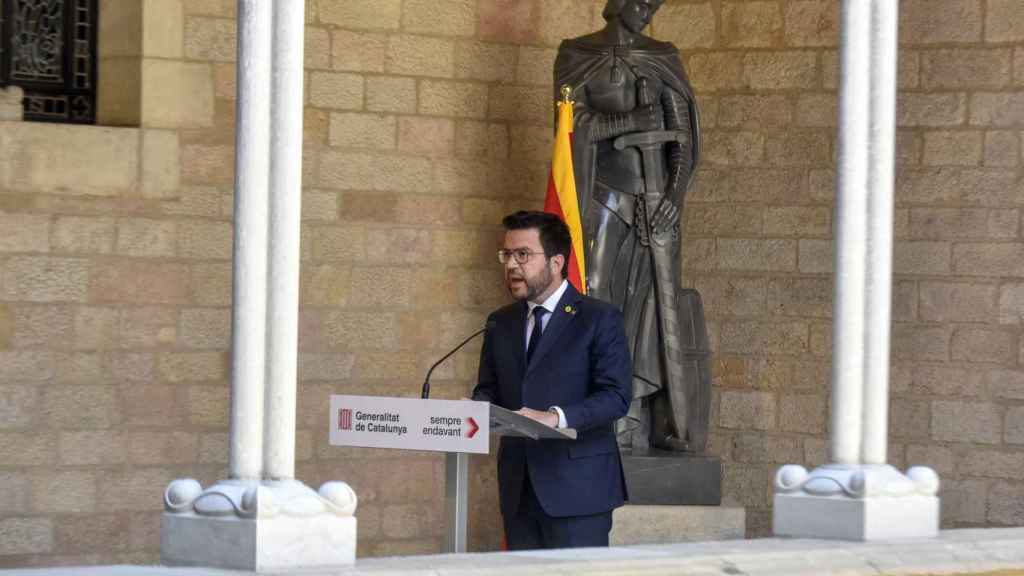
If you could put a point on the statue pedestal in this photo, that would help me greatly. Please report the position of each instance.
(258, 526)
(866, 502)
(635, 525)
(661, 477)
(674, 497)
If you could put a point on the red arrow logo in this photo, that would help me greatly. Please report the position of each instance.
(472, 427)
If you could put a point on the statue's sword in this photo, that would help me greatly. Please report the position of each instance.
(651, 146)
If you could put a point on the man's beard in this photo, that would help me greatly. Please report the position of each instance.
(537, 284)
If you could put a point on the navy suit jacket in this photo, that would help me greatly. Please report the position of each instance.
(582, 365)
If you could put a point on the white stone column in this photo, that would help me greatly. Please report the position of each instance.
(252, 163)
(881, 201)
(858, 496)
(851, 232)
(285, 220)
(261, 518)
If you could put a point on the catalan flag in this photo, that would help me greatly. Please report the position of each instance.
(561, 199)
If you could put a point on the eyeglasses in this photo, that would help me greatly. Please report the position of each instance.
(522, 255)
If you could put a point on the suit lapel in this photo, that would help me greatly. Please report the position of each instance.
(517, 327)
(560, 318)
(511, 325)
(512, 332)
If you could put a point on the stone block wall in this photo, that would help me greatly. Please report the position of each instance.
(426, 121)
(759, 229)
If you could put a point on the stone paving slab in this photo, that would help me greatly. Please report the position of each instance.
(995, 552)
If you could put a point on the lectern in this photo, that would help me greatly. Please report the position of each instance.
(456, 427)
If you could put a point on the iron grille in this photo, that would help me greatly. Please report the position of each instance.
(48, 47)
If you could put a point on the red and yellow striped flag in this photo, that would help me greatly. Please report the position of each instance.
(561, 199)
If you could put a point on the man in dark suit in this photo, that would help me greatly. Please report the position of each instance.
(560, 358)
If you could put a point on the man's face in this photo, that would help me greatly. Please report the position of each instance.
(538, 276)
(637, 15)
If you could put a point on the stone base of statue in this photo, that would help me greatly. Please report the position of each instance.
(866, 502)
(661, 477)
(634, 525)
(258, 526)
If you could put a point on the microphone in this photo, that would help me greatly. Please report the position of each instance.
(426, 382)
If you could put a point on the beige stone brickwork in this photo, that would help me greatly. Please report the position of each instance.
(426, 121)
(957, 299)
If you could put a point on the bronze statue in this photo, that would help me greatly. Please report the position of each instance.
(635, 148)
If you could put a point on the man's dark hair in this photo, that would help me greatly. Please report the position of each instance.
(554, 234)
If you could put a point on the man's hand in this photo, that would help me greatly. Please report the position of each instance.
(546, 418)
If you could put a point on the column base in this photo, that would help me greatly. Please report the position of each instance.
(868, 502)
(258, 526)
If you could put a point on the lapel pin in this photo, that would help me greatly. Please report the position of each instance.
(570, 309)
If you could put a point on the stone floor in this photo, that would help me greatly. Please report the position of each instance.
(980, 551)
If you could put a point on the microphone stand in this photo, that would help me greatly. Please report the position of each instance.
(425, 394)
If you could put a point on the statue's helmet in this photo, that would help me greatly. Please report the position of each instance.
(615, 7)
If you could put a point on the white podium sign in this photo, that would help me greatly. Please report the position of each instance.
(410, 423)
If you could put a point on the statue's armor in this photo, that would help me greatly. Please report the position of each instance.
(619, 248)
(618, 169)
(619, 174)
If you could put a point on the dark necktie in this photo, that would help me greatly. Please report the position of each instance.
(538, 328)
